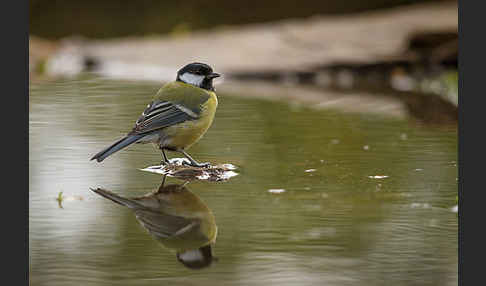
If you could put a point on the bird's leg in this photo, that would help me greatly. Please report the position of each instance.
(163, 181)
(165, 161)
(194, 163)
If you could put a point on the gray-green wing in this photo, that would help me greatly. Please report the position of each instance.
(159, 224)
(174, 103)
(161, 114)
(184, 94)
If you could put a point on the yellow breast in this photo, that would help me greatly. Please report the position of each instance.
(185, 134)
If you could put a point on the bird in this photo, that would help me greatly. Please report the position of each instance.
(179, 115)
(177, 218)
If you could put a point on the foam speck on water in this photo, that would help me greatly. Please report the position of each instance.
(378, 177)
(276, 191)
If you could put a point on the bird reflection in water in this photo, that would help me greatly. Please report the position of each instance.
(177, 218)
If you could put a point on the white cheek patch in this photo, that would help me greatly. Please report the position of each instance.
(191, 256)
(193, 79)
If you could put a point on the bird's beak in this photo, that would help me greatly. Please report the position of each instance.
(213, 75)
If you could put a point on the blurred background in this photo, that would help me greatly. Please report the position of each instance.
(111, 18)
(374, 46)
(341, 117)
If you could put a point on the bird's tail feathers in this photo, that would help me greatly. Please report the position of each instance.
(117, 146)
(117, 199)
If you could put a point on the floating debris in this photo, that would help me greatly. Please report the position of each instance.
(177, 169)
(310, 170)
(61, 198)
(366, 147)
(378, 177)
(335, 141)
(276, 191)
(455, 208)
(403, 136)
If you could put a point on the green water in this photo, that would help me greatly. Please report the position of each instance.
(333, 224)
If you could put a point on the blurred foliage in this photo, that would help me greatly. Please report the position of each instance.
(182, 29)
(116, 18)
(444, 84)
(40, 68)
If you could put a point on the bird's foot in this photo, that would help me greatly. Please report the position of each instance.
(196, 164)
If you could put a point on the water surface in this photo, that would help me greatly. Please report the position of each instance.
(332, 221)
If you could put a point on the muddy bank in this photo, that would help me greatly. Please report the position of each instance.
(285, 45)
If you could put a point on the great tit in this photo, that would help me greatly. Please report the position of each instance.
(178, 219)
(179, 115)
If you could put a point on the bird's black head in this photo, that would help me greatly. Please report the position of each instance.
(197, 74)
(197, 258)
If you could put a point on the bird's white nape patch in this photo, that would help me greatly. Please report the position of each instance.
(191, 78)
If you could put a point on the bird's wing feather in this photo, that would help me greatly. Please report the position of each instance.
(160, 114)
(160, 224)
(174, 103)
(183, 94)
